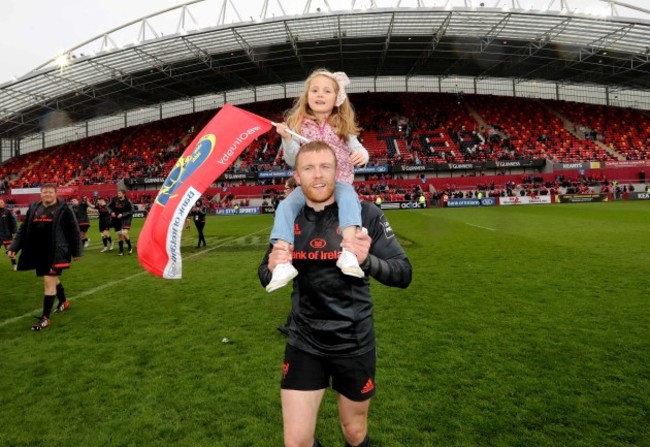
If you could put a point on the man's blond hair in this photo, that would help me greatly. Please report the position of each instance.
(315, 146)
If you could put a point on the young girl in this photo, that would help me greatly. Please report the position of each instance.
(324, 113)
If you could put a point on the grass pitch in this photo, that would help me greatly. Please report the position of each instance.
(524, 326)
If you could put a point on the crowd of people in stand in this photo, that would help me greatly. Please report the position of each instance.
(400, 129)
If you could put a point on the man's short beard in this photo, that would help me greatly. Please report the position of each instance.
(317, 199)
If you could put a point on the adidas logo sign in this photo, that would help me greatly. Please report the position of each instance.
(368, 387)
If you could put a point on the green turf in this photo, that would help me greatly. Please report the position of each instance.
(524, 326)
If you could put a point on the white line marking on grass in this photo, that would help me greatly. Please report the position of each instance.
(116, 282)
(479, 226)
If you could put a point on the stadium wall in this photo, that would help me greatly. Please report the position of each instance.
(624, 176)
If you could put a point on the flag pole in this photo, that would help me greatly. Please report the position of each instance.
(297, 135)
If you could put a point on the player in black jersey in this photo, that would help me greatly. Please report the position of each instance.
(104, 217)
(7, 229)
(197, 214)
(48, 240)
(80, 210)
(121, 214)
(331, 332)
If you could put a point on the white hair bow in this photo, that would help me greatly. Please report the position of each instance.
(343, 81)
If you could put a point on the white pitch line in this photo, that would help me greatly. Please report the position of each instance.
(479, 226)
(114, 283)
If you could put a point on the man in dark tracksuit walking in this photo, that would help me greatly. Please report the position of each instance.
(81, 213)
(198, 213)
(121, 214)
(7, 229)
(48, 241)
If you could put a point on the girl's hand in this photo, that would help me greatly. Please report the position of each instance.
(359, 245)
(357, 159)
(281, 128)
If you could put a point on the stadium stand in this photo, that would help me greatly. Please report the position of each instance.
(405, 129)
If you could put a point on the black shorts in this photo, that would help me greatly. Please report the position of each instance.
(353, 377)
(43, 270)
(104, 226)
(117, 225)
(83, 226)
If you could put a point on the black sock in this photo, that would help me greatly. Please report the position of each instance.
(364, 443)
(48, 302)
(105, 241)
(128, 243)
(317, 443)
(13, 261)
(84, 240)
(110, 240)
(60, 293)
(121, 244)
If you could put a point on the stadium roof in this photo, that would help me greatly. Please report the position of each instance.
(460, 37)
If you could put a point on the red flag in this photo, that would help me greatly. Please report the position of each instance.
(213, 150)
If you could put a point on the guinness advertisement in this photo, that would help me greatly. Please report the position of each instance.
(237, 176)
(144, 181)
(382, 169)
(471, 166)
(413, 168)
(458, 166)
(509, 164)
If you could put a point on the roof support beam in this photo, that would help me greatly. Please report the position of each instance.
(384, 53)
(494, 32)
(534, 47)
(250, 52)
(425, 55)
(296, 51)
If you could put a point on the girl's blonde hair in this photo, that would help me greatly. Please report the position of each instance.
(342, 119)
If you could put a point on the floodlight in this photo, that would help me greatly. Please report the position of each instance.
(62, 60)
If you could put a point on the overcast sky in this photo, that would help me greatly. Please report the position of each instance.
(34, 31)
